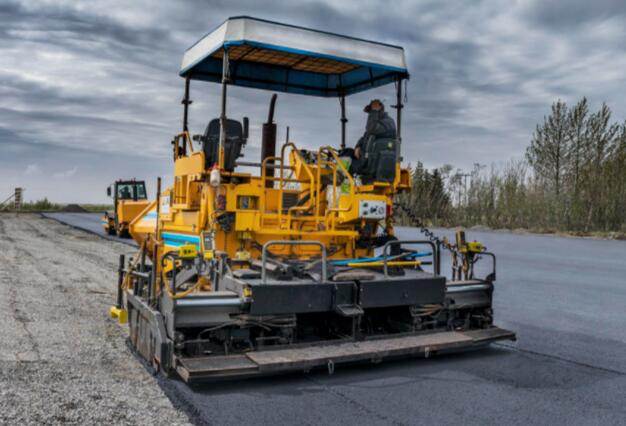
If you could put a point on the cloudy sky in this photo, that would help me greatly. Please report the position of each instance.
(89, 90)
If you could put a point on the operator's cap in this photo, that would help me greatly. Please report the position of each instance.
(368, 107)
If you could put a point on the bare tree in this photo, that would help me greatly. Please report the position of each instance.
(576, 128)
(599, 144)
(578, 158)
(547, 152)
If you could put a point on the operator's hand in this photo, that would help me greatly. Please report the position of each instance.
(357, 153)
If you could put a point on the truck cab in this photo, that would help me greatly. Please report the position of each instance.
(129, 200)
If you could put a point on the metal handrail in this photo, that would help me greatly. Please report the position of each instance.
(338, 161)
(492, 276)
(187, 140)
(394, 242)
(263, 180)
(311, 178)
(292, 243)
(347, 174)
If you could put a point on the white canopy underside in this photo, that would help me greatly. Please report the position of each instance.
(298, 59)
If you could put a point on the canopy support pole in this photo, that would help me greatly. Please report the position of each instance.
(398, 106)
(225, 78)
(344, 120)
(186, 102)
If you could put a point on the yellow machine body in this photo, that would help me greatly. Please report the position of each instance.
(128, 210)
(257, 213)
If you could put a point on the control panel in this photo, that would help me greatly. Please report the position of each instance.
(369, 209)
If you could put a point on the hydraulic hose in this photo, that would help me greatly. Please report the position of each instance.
(408, 255)
(173, 256)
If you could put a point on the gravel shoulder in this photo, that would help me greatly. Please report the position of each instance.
(62, 360)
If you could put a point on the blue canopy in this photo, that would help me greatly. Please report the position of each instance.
(286, 58)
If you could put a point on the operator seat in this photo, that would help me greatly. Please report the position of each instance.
(377, 162)
(232, 147)
(380, 160)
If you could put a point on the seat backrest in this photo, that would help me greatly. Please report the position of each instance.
(232, 148)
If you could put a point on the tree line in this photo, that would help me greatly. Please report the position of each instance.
(573, 178)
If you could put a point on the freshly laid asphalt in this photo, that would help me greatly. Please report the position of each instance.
(565, 298)
(90, 222)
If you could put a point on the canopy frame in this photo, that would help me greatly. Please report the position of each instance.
(288, 61)
(287, 58)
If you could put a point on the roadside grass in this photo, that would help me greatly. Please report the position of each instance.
(45, 205)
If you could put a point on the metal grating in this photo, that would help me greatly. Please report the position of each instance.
(285, 59)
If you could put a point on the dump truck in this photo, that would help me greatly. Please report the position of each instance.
(129, 200)
(292, 264)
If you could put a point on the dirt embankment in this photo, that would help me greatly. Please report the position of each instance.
(61, 359)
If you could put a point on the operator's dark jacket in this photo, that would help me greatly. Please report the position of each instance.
(379, 125)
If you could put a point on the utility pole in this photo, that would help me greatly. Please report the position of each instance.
(17, 199)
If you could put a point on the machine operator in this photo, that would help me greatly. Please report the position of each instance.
(125, 193)
(379, 126)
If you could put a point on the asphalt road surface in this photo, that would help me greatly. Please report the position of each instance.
(566, 299)
(90, 222)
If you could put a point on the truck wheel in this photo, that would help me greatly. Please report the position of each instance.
(122, 233)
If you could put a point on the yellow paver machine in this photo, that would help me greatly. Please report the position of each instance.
(294, 267)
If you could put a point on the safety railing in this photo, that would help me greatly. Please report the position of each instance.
(265, 178)
(179, 150)
(292, 243)
(335, 202)
(313, 177)
(308, 171)
(492, 275)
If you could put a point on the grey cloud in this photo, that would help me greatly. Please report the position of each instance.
(79, 25)
(91, 89)
(567, 15)
(67, 174)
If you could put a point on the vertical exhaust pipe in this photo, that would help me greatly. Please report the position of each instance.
(268, 143)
